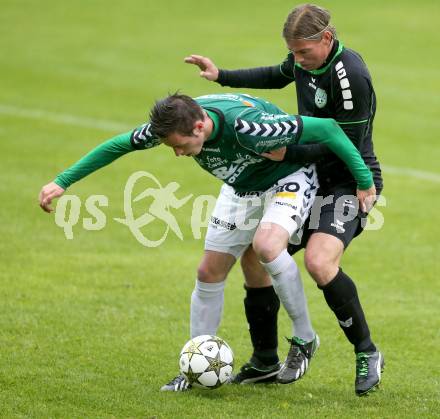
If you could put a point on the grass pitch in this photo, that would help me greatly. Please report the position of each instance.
(92, 327)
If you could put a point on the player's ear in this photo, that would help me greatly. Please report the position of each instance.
(327, 37)
(199, 125)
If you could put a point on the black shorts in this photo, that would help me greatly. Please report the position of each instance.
(334, 212)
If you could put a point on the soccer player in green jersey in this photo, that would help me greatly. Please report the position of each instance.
(331, 81)
(226, 135)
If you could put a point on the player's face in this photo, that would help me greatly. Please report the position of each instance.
(185, 145)
(311, 54)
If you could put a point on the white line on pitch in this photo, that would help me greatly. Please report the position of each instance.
(414, 173)
(64, 119)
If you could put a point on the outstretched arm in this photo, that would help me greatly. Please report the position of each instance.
(99, 157)
(270, 77)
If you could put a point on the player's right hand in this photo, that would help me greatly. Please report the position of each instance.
(48, 193)
(209, 69)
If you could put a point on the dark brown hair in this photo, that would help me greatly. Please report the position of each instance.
(175, 114)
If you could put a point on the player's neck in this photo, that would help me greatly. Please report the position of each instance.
(208, 126)
(330, 52)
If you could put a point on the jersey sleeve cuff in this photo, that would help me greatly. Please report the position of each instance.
(367, 183)
(60, 182)
(221, 79)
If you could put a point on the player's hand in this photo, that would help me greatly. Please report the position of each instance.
(275, 155)
(209, 69)
(48, 193)
(367, 198)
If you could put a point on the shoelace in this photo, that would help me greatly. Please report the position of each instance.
(362, 364)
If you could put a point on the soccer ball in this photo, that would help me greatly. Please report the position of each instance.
(206, 361)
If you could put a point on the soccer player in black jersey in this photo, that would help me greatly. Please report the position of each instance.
(332, 81)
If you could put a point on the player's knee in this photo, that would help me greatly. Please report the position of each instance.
(209, 273)
(266, 248)
(321, 267)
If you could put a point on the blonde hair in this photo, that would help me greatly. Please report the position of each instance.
(307, 21)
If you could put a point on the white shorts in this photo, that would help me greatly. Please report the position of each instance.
(236, 216)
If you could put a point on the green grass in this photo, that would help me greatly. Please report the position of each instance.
(92, 327)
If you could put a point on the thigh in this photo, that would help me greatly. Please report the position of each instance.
(337, 215)
(291, 201)
(233, 222)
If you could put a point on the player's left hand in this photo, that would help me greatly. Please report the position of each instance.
(47, 194)
(367, 198)
(275, 155)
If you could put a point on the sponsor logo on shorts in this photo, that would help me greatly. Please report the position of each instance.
(286, 204)
(349, 203)
(288, 187)
(339, 225)
(291, 195)
(222, 223)
(248, 194)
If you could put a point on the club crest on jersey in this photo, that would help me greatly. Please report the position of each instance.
(320, 98)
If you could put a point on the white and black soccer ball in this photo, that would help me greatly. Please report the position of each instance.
(206, 361)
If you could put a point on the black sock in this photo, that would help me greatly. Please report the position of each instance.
(261, 307)
(342, 297)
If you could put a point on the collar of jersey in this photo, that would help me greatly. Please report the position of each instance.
(218, 120)
(325, 68)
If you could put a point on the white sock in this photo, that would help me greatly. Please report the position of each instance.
(206, 308)
(288, 285)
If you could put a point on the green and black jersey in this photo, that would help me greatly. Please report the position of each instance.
(341, 89)
(244, 127)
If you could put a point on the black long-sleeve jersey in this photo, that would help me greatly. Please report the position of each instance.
(341, 89)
